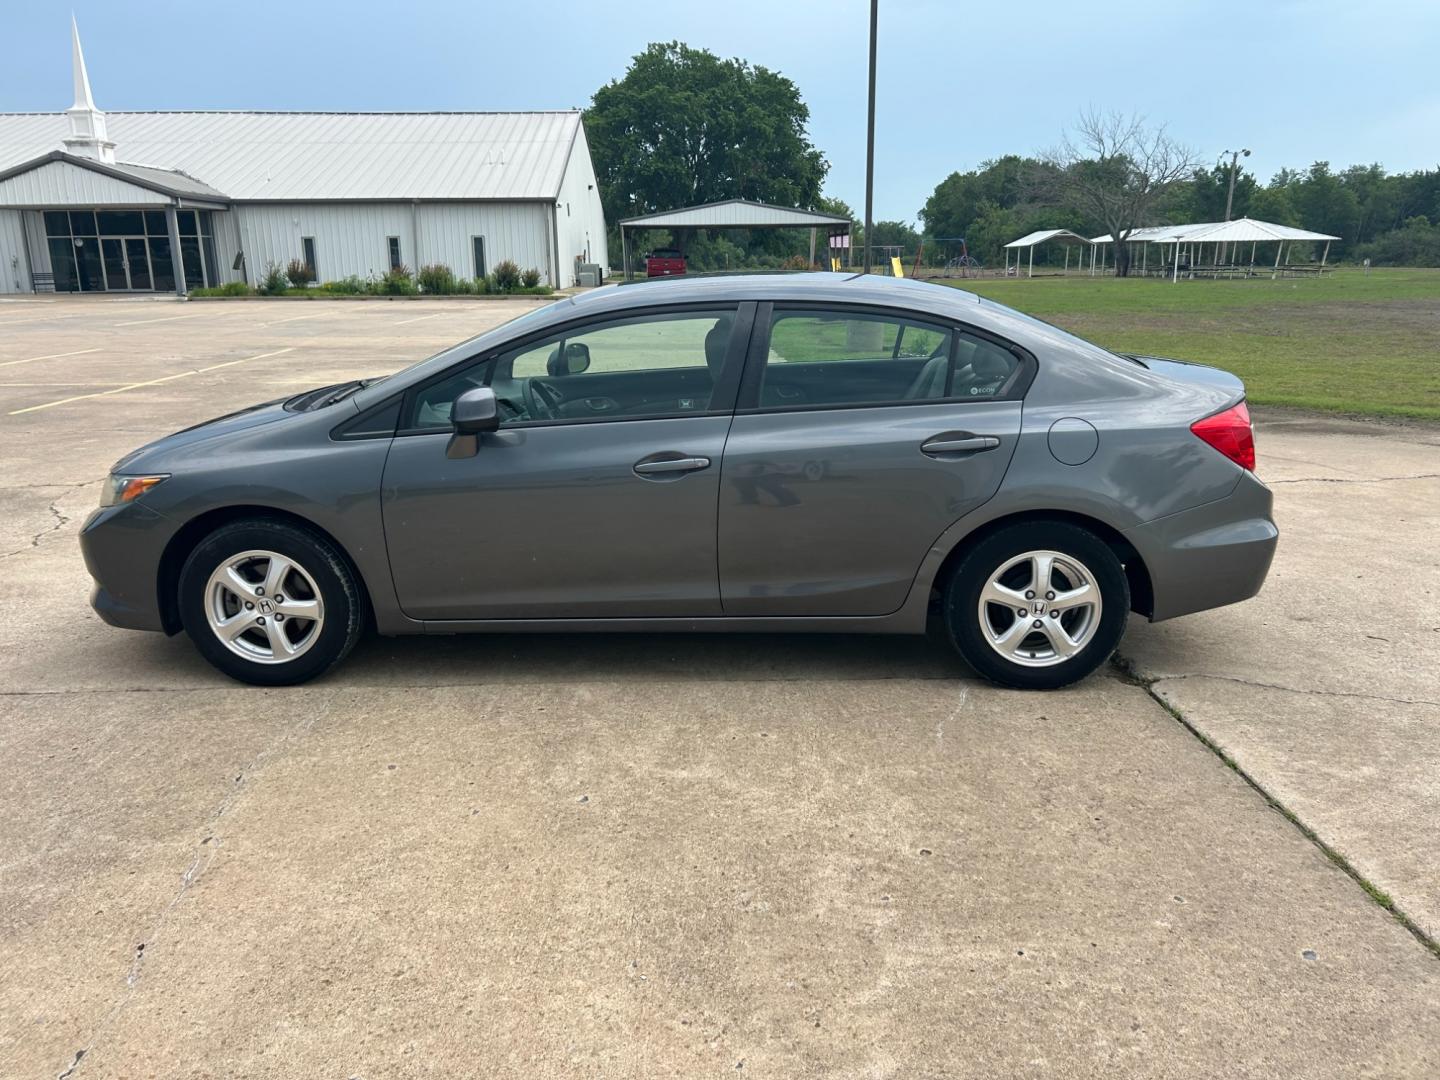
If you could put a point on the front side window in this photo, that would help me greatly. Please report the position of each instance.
(393, 242)
(307, 249)
(640, 368)
(838, 359)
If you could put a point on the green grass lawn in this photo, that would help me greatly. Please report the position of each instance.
(1347, 342)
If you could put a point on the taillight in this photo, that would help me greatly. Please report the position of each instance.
(1230, 433)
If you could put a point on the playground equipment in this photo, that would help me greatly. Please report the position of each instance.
(959, 263)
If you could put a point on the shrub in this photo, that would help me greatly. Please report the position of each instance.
(506, 276)
(299, 273)
(796, 262)
(398, 282)
(531, 278)
(346, 286)
(437, 278)
(272, 282)
(233, 288)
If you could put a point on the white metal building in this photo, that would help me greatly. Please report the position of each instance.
(155, 201)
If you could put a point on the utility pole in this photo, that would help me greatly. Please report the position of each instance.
(870, 139)
(1234, 164)
(1230, 194)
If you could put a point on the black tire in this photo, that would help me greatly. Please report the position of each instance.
(343, 603)
(992, 553)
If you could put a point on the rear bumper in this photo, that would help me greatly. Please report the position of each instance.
(1211, 555)
(122, 546)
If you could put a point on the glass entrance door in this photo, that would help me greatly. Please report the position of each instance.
(139, 263)
(112, 254)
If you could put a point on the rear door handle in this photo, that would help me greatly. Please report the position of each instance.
(653, 465)
(970, 444)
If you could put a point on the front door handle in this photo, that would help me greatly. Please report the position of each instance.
(969, 444)
(652, 465)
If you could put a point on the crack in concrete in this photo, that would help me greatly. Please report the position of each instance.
(1155, 680)
(1357, 480)
(1126, 670)
(60, 522)
(205, 854)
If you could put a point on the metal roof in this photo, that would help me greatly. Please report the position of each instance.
(1151, 233)
(1246, 229)
(165, 181)
(303, 156)
(1229, 232)
(1063, 235)
(736, 214)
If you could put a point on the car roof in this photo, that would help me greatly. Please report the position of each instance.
(852, 288)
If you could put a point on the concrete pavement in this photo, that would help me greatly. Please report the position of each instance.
(567, 856)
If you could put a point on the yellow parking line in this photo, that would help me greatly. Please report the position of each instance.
(168, 318)
(293, 318)
(150, 382)
(48, 356)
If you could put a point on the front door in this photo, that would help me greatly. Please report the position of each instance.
(138, 262)
(112, 253)
(595, 499)
(860, 437)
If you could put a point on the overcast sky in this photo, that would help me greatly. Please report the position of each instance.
(959, 80)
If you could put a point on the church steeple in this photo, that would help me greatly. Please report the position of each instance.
(87, 136)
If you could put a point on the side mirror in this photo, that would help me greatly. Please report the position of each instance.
(475, 411)
(577, 358)
(569, 359)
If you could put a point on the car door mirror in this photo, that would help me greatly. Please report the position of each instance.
(576, 359)
(475, 412)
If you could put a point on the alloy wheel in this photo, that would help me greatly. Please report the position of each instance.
(264, 606)
(1040, 609)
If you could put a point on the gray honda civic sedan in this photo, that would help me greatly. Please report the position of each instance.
(806, 453)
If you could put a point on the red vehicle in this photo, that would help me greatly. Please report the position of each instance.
(664, 262)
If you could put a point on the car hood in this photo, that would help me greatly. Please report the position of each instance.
(253, 416)
(1184, 371)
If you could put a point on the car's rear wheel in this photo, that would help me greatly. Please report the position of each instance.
(1037, 605)
(270, 603)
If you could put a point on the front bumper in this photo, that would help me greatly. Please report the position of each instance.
(1210, 555)
(122, 546)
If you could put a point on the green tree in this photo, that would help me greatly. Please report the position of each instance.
(1004, 182)
(684, 127)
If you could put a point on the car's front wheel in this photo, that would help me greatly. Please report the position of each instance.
(1037, 605)
(270, 603)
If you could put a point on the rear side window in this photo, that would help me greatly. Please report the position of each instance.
(837, 359)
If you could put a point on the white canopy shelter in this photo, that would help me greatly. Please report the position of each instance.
(1149, 234)
(1243, 230)
(1044, 236)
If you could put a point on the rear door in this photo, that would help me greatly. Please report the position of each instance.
(861, 435)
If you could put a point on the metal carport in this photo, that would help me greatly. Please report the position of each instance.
(1044, 236)
(736, 214)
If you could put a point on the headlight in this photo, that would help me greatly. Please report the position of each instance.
(123, 489)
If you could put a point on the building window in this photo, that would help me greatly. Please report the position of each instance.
(393, 242)
(307, 249)
(477, 245)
